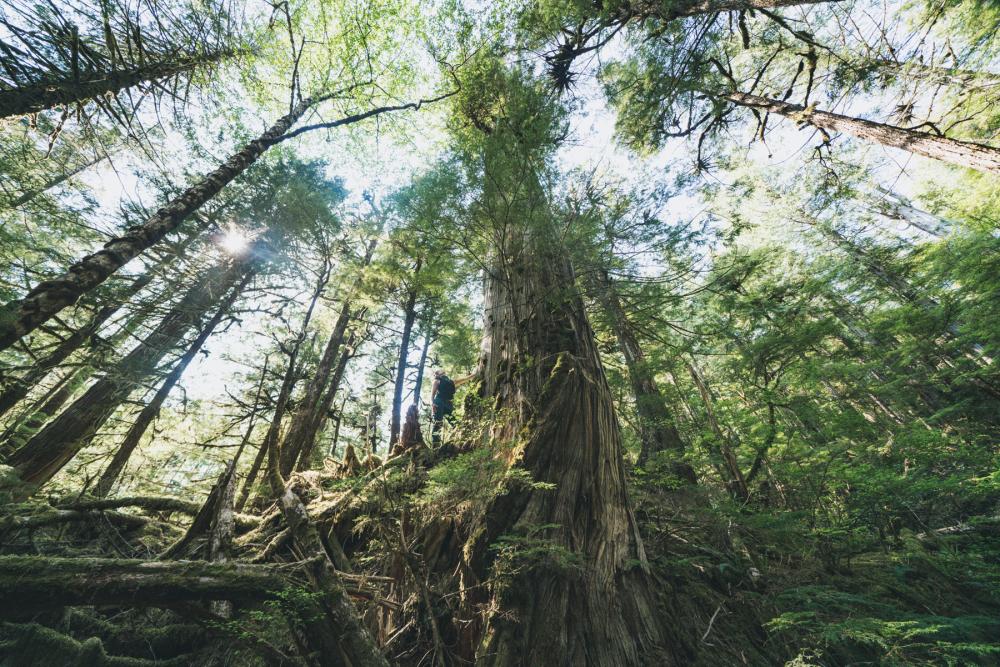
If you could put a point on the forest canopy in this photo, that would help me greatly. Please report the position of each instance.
(547, 332)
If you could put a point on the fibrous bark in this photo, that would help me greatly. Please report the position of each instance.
(591, 603)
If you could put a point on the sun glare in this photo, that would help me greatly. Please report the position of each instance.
(234, 241)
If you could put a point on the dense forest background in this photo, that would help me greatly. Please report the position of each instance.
(725, 275)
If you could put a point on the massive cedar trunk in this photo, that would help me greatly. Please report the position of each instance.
(48, 94)
(19, 387)
(959, 153)
(152, 409)
(541, 370)
(656, 426)
(56, 444)
(409, 317)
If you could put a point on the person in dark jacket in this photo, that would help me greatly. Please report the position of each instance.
(443, 401)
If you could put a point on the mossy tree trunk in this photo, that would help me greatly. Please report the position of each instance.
(589, 599)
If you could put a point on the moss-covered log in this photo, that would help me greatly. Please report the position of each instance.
(39, 583)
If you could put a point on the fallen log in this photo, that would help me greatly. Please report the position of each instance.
(41, 582)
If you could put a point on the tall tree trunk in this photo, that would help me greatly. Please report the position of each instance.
(306, 420)
(541, 370)
(898, 207)
(19, 387)
(960, 153)
(736, 481)
(27, 196)
(409, 317)
(26, 425)
(22, 316)
(428, 327)
(284, 392)
(325, 405)
(56, 444)
(657, 431)
(49, 94)
(150, 411)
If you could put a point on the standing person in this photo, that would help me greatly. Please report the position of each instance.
(443, 401)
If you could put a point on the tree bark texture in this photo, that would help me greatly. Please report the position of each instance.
(541, 370)
(409, 317)
(960, 153)
(49, 94)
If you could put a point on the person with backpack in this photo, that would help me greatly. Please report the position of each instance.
(443, 401)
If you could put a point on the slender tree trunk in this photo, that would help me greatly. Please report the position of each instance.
(150, 411)
(960, 153)
(56, 444)
(19, 388)
(428, 327)
(22, 316)
(898, 207)
(323, 411)
(306, 420)
(542, 371)
(49, 94)
(25, 197)
(284, 392)
(656, 425)
(409, 317)
(26, 425)
(737, 482)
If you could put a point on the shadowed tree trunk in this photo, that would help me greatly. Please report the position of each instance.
(657, 430)
(284, 392)
(22, 316)
(960, 153)
(306, 420)
(346, 354)
(736, 482)
(152, 409)
(21, 430)
(49, 94)
(19, 387)
(409, 317)
(542, 371)
(428, 326)
(56, 444)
